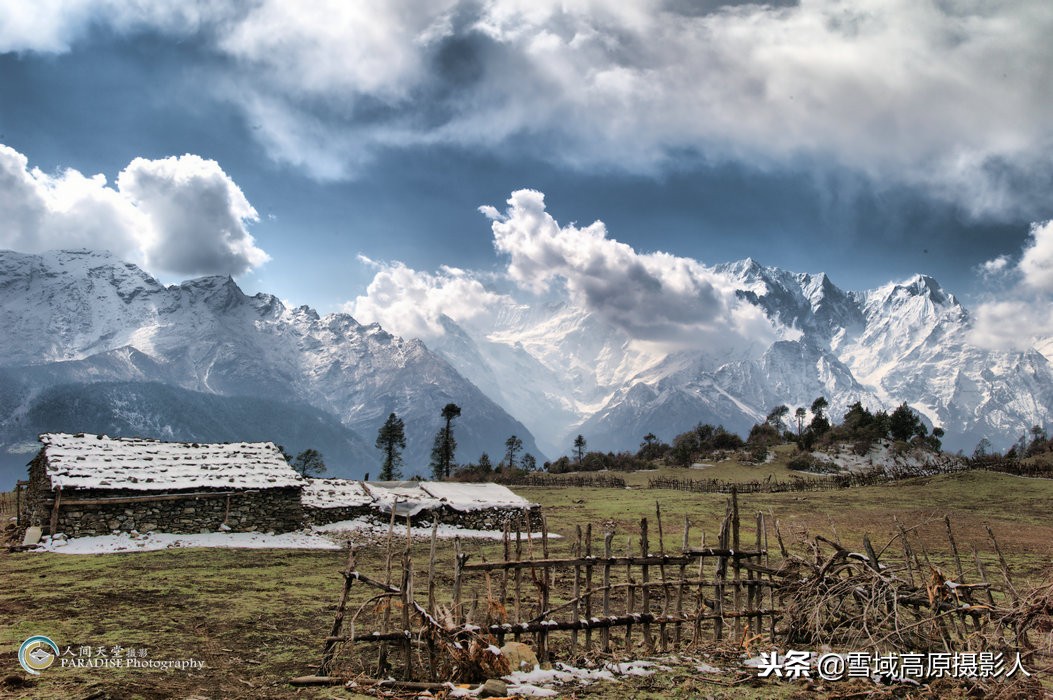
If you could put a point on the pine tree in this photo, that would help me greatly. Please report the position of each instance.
(447, 444)
(512, 447)
(579, 448)
(391, 438)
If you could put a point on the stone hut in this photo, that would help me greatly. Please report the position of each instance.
(483, 506)
(474, 506)
(94, 485)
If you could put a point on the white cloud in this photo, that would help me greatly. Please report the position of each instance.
(995, 266)
(950, 96)
(1036, 265)
(411, 303)
(1024, 313)
(181, 215)
(654, 297)
(1012, 324)
(657, 299)
(198, 215)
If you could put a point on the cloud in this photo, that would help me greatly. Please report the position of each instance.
(995, 266)
(411, 303)
(1012, 324)
(181, 215)
(1036, 265)
(198, 215)
(951, 97)
(653, 297)
(1024, 313)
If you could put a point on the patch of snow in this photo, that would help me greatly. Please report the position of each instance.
(151, 541)
(372, 527)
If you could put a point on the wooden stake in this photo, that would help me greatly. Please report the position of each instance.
(678, 633)
(329, 649)
(588, 584)
(407, 602)
(605, 634)
(519, 572)
(1010, 588)
(576, 589)
(954, 549)
(457, 564)
(735, 562)
(645, 576)
(431, 566)
(545, 583)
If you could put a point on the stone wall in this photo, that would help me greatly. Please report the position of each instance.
(324, 516)
(491, 518)
(266, 510)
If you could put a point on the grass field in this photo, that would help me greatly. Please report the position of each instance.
(256, 618)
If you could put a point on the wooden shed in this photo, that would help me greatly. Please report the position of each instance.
(95, 485)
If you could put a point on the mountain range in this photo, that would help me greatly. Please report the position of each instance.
(905, 341)
(98, 345)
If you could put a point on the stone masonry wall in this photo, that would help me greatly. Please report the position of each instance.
(324, 516)
(491, 518)
(268, 510)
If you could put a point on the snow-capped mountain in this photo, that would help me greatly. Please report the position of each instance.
(78, 317)
(158, 358)
(904, 341)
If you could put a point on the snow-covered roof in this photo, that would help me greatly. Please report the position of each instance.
(97, 461)
(335, 493)
(409, 497)
(406, 497)
(467, 497)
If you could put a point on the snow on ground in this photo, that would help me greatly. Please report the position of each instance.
(543, 683)
(150, 541)
(364, 525)
(318, 537)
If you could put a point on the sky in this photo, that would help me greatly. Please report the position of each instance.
(359, 156)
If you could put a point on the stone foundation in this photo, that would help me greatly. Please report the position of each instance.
(324, 516)
(483, 519)
(271, 510)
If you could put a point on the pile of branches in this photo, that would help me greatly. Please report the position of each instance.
(844, 600)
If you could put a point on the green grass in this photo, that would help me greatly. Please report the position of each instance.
(257, 618)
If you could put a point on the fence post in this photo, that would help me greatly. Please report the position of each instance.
(645, 578)
(605, 633)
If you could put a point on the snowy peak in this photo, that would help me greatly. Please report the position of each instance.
(73, 315)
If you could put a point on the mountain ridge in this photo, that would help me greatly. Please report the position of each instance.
(84, 316)
(905, 340)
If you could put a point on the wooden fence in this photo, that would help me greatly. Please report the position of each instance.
(610, 594)
(11, 503)
(588, 481)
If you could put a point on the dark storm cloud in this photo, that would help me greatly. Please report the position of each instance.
(951, 98)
